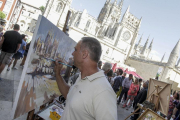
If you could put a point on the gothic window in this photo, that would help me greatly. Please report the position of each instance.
(114, 31)
(87, 25)
(77, 23)
(107, 52)
(106, 33)
(58, 8)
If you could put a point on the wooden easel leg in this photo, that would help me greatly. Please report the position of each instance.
(30, 115)
(132, 113)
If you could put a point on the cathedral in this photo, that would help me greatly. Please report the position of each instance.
(118, 38)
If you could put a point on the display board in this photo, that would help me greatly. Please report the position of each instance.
(38, 80)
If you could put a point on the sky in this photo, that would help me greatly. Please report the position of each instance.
(160, 20)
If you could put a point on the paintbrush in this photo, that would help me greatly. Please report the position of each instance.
(60, 62)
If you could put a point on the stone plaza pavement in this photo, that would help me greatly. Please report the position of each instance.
(8, 88)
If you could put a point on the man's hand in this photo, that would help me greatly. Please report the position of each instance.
(58, 67)
(62, 85)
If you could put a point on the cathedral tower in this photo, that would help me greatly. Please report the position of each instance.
(111, 12)
(56, 11)
(145, 46)
(174, 55)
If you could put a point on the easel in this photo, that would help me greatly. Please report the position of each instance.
(30, 115)
(155, 96)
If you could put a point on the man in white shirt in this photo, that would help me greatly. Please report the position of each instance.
(125, 85)
(91, 97)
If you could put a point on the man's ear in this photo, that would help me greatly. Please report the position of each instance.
(85, 54)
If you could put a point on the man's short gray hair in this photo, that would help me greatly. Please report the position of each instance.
(93, 46)
(107, 66)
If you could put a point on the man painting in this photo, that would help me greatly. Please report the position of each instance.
(91, 97)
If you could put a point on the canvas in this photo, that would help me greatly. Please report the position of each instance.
(38, 80)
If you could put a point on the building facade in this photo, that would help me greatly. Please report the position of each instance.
(28, 18)
(117, 37)
(12, 10)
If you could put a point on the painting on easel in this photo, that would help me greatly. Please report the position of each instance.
(38, 81)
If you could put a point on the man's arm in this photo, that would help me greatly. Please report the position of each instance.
(174, 112)
(63, 87)
(24, 47)
(18, 47)
(123, 83)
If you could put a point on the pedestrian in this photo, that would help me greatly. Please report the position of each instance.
(120, 88)
(134, 88)
(25, 54)
(124, 76)
(110, 77)
(91, 97)
(174, 100)
(106, 67)
(19, 54)
(141, 97)
(125, 85)
(140, 82)
(118, 81)
(11, 42)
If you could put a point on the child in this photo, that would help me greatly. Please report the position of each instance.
(134, 88)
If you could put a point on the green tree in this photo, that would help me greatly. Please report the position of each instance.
(42, 8)
(2, 15)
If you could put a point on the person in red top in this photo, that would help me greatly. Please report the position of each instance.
(134, 88)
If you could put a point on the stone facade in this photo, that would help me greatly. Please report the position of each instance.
(12, 9)
(170, 71)
(28, 18)
(117, 37)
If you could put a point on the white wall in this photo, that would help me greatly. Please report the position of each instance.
(145, 70)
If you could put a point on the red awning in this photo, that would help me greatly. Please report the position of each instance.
(134, 74)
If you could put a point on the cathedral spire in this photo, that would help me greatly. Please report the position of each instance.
(174, 55)
(150, 46)
(108, 1)
(127, 10)
(163, 57)
(140, 40)
(145, 46)
(121, 4)
(115, 2)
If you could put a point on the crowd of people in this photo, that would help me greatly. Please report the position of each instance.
(129, 90)
(133, 91)
(13, 47)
